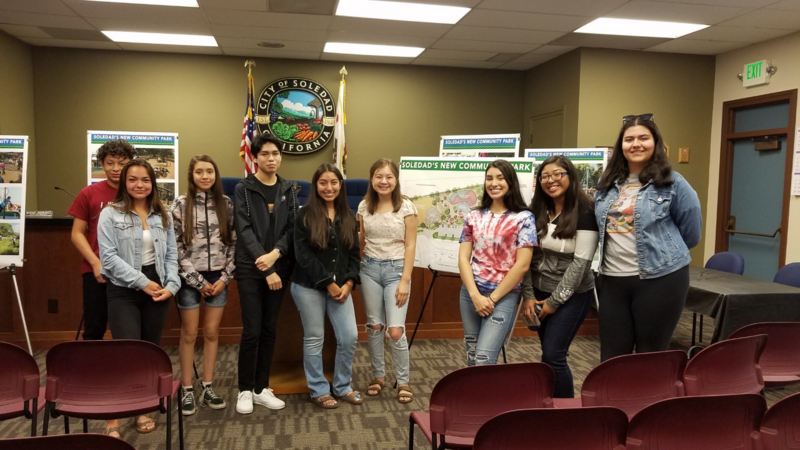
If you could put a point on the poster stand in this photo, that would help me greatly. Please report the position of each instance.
(12, 269)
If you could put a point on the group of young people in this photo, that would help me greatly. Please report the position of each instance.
(138, 255)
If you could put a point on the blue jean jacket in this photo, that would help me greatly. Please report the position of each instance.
(119, 236)
(667, 223)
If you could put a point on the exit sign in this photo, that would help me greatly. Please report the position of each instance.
(755, 74)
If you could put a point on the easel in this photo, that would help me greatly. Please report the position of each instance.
(12, 269)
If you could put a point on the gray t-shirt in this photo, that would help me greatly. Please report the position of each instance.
(619, 256)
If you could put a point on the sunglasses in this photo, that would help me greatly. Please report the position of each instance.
(644, 117)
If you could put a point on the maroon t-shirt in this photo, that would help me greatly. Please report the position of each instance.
(87, 207)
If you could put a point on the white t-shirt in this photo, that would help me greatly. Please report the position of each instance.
(620, 257)
(148, 249)
(385, 234)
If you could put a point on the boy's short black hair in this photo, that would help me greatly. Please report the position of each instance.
(263, 139)
(117, 147)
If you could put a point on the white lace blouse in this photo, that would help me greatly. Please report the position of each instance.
(385, 233)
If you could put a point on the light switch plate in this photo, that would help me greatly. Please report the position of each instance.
(683, 155)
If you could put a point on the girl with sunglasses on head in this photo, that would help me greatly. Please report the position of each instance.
(559, 288)
(495, 251)
(649, 217)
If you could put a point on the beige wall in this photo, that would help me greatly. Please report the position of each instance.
(392, 111)
(676, 88)
(785, 54)
(16, 102)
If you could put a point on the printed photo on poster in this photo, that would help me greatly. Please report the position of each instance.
(9, 237)
(11, 201)
(167, 193)
(11, 167)
(13, 174)
(162, 160)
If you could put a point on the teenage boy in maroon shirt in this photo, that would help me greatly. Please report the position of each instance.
(112, 156)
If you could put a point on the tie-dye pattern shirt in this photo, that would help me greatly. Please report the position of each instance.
(495, 239)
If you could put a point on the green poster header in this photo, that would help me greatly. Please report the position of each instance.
(471, 166)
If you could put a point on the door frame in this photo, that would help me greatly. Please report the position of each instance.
(729, 109)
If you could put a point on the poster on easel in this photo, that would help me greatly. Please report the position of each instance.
(158, 149)
(444, 191)
(480, 146)
(13, 175)
(590, 162)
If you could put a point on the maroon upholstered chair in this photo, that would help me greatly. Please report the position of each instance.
(726, 367)
(599, 428)
(714, 422)
(631, 382)
(20, 394)
(780, 427)
(104, 380)
(66, 442)
(465, 399)
(780, 361)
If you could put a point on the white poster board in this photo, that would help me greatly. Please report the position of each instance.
(444, 191)
(13, 178)
(159, 149)
(480, 146)
(590, 162)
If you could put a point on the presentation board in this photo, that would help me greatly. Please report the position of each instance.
(590, 162)
(159, 149)
(444, 191)
(13, 178)
(480, 146)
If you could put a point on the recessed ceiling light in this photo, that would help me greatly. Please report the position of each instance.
(186, 3)
(642, 28)
(372, 50)
(161, 38)
(410, 12)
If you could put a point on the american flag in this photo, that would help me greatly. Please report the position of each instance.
(248, 129)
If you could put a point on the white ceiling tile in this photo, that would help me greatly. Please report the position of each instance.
(534, 58)
(523, 20)
(462, 3)
(337, 57)
(787, 5)
(502, 35)
(434, 53)
(240, 5)
(44, 20)
(289, 45)
(737, 34)
(456, 63)
(671, 12)
(171, 49)
(696, 47)
(517, 66)
(483, 46)
(42, 42)
(583, 8)
(750, 4)
(267, 19)
(554, 49)
(396, 27)
(270, 53)
(380, 39)
(24, 31)
(280, 34)
(608, 41)
(152, 25)
(131, 11)
(768, 18)
(37, 6)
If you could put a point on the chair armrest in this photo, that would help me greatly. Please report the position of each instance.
(51, 393)
(165, 385)
(437, 419)
(30, 387)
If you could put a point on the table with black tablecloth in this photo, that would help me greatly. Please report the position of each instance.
(735, 300)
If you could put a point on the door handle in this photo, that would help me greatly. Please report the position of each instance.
(750, 233)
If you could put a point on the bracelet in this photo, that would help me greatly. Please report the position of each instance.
(491, 299)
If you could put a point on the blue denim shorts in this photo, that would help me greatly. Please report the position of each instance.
(189, 297)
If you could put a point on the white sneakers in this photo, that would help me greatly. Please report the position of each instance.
(244, 404)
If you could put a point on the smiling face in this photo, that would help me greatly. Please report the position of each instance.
(638, 146)
(112, 166)
(138, 183)
(203, 176)
(496, 185)
(551, 187)
(384, 180)
(328, 187)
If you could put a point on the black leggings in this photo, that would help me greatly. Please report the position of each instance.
(640, 314)
(133, 314)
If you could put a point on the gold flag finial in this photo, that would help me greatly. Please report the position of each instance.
(343, 72)
(249, 64)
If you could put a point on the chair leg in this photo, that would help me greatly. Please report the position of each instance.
(694, 327)
(46, 417)
(503, 349)
(85, 426)
(169, 422)
(701, 328)
(34, 413)
(66, 424)
(80, 327)
(180, 424)
(410, 433)
(433, 442)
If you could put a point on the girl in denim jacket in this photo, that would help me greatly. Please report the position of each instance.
(649, 217)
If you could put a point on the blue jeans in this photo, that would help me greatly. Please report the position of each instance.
(313, 304)
(379, 280)
(556, 334)
(484, 336)
(190, 298)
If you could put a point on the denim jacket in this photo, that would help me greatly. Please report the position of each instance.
(119, 236)
(668, 223)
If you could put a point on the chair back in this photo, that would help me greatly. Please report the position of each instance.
(631, 382)
(600, 428)
(780, 361)
(229, 186)
(727, 367)
(66, 442)
(780, 427)
(116, 372)
(789, 275)
(304, 190)
(726, 262)
(19, 375)
(356, 190)
(465, 399)
(699, 423)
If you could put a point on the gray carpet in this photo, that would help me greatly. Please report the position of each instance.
(380, 423)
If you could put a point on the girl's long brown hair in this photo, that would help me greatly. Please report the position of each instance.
(124, 202)
(220, 205)
(316, 218)
(371, 198)
(576, 201)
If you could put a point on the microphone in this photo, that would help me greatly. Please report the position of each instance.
(68, 192)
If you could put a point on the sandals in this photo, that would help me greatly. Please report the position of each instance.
(378, 389)
(404, 390)
(108, 432)
(320, 401)
(353, 397)
(145, 426)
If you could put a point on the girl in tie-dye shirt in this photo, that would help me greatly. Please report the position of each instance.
(495, 251)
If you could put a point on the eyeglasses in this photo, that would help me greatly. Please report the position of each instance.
(631, 118)
(555, 176)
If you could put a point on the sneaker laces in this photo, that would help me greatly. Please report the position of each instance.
(247, 394)
(188, 398)
(208, 392)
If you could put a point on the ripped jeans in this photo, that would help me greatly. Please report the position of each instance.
(484, 336)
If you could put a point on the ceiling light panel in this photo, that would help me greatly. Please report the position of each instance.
(409, 12)
(161, 38)
(184, 3)
(640, 28)
(372, 50)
